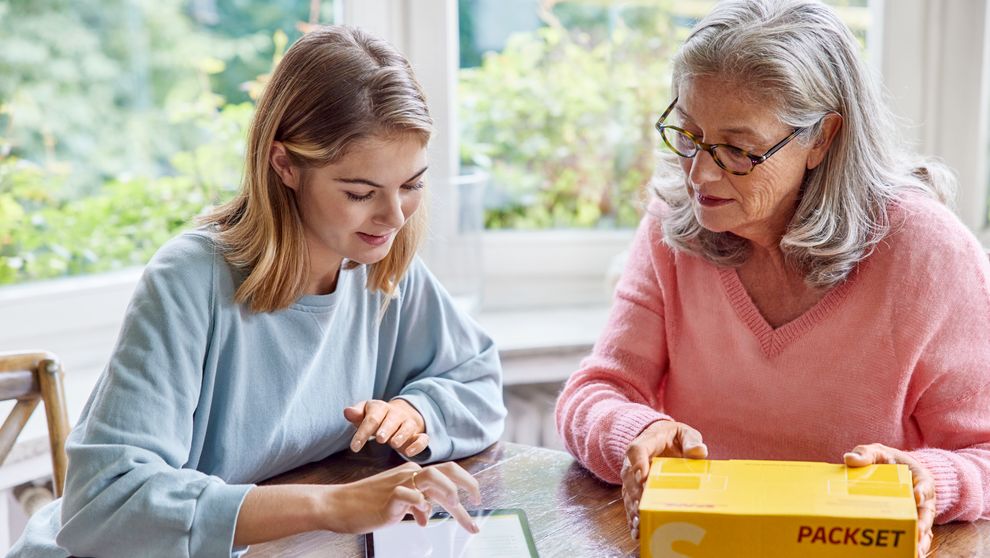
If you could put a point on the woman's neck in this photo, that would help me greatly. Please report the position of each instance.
(769, 257)
(324, 269)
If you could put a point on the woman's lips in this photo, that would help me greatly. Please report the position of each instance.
(374, 240)
(711, 201)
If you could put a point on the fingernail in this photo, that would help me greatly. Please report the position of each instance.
(474, 528)
(355, 446)
(635, 522)
(639, 475)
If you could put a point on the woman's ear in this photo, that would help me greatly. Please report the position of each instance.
(279, 160)
(830, 128)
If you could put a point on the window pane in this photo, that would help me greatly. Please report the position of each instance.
(558, 100)
(120, 120)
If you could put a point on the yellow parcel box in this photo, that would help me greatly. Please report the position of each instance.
(768, 509)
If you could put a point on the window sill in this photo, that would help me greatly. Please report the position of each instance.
(76, 318)
(543, 345)
(554, 268)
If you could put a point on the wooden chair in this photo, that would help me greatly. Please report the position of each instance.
(29, 377)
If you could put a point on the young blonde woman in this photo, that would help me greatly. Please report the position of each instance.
(296, 323)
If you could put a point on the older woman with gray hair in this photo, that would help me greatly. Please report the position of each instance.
(798, 289)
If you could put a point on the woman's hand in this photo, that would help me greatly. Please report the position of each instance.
(395, 422)
(924, 484)
(383, 499)
(664, 438)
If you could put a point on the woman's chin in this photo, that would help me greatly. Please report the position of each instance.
(370, 257)
(709, 224)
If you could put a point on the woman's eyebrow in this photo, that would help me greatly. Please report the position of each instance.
(377, 185)
(741, 130)
(735, 130)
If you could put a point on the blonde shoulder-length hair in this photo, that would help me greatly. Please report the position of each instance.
(798, 57)
(334, 87)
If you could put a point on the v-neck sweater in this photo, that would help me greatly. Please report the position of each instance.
(897, 354)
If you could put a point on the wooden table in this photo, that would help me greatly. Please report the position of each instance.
(571, 514)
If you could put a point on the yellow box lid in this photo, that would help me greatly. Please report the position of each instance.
(779, 488)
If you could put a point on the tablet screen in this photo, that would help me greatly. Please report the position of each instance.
(504, 534)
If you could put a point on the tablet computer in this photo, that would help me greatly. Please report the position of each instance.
(504, 533)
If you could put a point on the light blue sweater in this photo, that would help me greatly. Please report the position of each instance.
(202, 398)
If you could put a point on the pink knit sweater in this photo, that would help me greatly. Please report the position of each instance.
(897, 354)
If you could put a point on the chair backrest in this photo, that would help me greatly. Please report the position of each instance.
(30, 377)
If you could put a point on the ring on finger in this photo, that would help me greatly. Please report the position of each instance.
(412, 479)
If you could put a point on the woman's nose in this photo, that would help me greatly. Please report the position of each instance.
(704, 169)
(390, 211)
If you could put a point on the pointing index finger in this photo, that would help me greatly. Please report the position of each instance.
(466, 481)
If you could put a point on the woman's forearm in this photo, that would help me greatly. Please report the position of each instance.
(273, 512)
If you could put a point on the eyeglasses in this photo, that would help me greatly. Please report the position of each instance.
(732, 159)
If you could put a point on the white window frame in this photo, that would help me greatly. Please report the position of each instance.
(521, 268)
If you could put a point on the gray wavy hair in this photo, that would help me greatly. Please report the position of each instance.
(800, 58)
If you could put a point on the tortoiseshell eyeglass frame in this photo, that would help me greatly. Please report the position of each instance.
(712, 147)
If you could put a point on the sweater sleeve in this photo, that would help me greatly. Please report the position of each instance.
(951, 380)
(127, 493)
(962, 474)
(615, 394)
(445, 366)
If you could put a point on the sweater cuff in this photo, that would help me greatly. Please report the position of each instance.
(946, 478)
(215, 519)
(440, 446)
(630, 421)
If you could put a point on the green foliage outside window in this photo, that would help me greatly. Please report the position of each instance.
(122, 224)
(561, 119)
(121, 120)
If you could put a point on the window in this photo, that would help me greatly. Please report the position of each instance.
(557, 100)
(109, 148)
